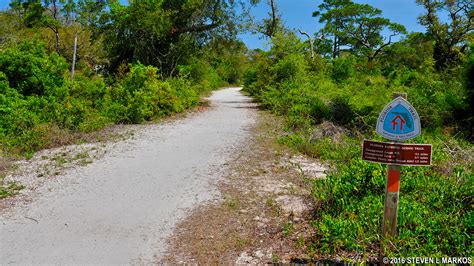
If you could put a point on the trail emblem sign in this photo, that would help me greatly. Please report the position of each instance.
(399, 121)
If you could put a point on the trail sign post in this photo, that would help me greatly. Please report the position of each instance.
(396, 153)
(398, 122)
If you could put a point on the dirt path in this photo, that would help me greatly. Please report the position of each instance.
(265, 208)
(121, 208)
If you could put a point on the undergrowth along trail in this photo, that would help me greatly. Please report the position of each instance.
(121, 208)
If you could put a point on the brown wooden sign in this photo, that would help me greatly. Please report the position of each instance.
(396, 153)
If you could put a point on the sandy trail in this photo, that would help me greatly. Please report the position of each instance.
(121, 208)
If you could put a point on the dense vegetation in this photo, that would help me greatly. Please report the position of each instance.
(70, 67)
(339, 83)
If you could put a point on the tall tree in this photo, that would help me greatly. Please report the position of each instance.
(451, 36)
(165, 33)
(89, 11)
(363, 29)
(41, 13)
(270, 26)
(358, 26)
(331, 13)
(11, 29)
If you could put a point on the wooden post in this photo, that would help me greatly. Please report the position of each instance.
(390, 212)
(392, 189)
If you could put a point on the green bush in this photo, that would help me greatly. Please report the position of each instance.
(319, 111)
(435, 209)
(31, 70)
(29, 113)
(92, 90)
(203, 75)
(343, 68)
(435, 216)
(438, 99)
(299, 116)
(290, 68)
(341, 111)
(140, 95)
(465, 113)
(257, 77)
(17, 123)
(15, 117)
(187, 94)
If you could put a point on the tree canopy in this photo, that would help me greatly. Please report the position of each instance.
(165, 33)
(358, 26)
(451, 37)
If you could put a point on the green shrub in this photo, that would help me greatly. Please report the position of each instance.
(31, 70)
(465, 112)
(88, 104)
(435, 209)
(187, 94)
(436, 99)
(341, 111)
(132, 97)
(140, 95)
(92, 90)
(319, 111)
(434, 218)
(203, 75)
(257, 77)
(16, 116)
(343, 68)
(290, 68)
(299, 116)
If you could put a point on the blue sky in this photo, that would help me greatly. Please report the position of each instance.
(297, 14)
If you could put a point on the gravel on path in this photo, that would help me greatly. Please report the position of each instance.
(121, 208)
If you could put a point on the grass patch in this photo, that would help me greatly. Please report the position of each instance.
(435, 209)
(288, 228)
(231, 204)
(9, 189)
(329, 111)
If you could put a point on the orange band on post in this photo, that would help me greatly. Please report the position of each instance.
(393, 184)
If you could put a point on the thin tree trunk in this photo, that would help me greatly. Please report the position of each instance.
(74, 56)
(56, 32)
(274, 22)
(55, 28)
(311, 45)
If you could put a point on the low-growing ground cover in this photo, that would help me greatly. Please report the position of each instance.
(435, 210)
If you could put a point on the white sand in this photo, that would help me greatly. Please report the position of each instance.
(121, 208)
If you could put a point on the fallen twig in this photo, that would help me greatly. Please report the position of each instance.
(32, 219)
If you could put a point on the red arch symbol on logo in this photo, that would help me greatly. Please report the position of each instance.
(395, 123)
